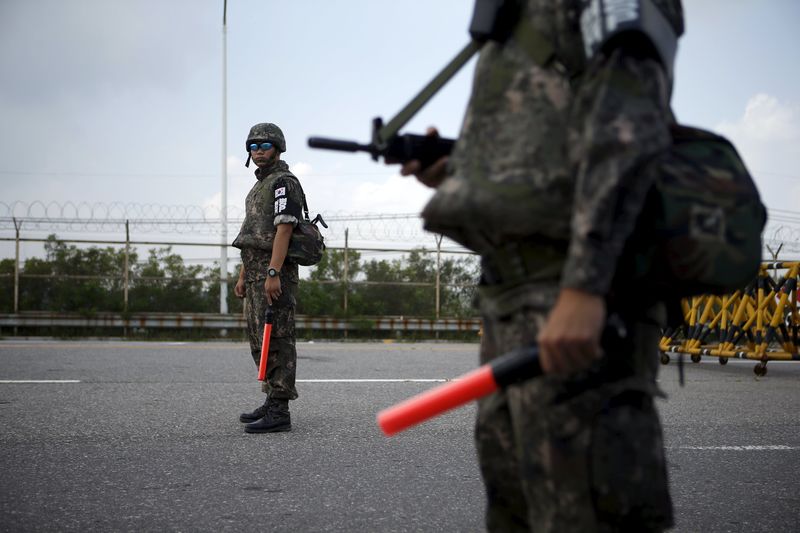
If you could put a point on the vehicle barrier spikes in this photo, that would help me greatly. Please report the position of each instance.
(760, 322)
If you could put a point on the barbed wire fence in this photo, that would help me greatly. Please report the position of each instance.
(187, 229)
(190, 227)
(403, 229)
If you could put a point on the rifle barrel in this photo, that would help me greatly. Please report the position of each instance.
(338, 144)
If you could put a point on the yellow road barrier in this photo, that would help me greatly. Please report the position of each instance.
(760, 322)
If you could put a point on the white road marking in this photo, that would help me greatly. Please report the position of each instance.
(373, 380)
(736, 360)
(3, 381)
(745, 448)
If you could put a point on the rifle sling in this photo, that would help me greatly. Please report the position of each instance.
(529, 38)
(427, 92)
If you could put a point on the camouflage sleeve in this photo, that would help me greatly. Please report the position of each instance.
(288, 201)
(621, 119)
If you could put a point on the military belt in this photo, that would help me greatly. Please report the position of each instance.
(519, 262)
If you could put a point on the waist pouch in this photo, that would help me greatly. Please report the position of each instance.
(521, 262)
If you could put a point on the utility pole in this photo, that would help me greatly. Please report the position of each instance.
(223, 256)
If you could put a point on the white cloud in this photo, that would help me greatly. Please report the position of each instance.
(765, 119)
(333, 195)
(301, 170)
(394, 195)
(767, 136)
(349, 193)
(239, 184)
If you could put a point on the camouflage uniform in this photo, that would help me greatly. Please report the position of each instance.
(276, 198)
(543, 184)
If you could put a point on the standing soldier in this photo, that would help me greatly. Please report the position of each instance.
(545, 184)
(267, 277)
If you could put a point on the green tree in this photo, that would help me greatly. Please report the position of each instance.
(51, 289)
(235, 304)
(322, 294)
(331, 267)
(164, 283)
(389, 289)
(6, 285)
(459, 278)
(401, 296)
(35, 293)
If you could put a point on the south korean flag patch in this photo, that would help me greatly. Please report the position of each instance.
(280, 199)
(287, 209)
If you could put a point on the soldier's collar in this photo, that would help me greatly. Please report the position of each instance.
(277, 165)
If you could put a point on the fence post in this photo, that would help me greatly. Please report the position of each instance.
(16, 269)
(438, 274)
(346, 283)
(775, 261)
(125, 278)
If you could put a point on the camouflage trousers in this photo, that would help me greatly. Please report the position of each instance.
(583, 454)
(282, 356)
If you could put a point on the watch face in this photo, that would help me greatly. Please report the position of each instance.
(272, 272)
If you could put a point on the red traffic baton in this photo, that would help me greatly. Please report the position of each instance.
(513, 367)
(262, 364)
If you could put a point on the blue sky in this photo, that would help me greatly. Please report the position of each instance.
(119, 101)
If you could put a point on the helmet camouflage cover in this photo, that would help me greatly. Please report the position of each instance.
(266, 131)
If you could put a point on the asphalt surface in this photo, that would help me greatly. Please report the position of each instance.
(119, 436)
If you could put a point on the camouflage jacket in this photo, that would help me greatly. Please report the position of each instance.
(547, 155)
(276, 198)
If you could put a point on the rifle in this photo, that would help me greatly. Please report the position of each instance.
(398, 148)
(513, 367)
(491, 19)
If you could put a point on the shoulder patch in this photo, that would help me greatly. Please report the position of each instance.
(280, 191)
(601, 20)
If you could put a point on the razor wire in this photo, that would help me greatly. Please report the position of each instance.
(783, 237)
(782, 231)
(105, 218)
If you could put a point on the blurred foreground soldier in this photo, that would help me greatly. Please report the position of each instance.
(544, 184)
(267, 277)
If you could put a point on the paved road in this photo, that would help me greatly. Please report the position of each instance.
(145, 437)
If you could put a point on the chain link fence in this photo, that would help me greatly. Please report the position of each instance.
(189, 231)
(195, 233)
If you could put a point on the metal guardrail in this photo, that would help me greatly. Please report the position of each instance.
(220, 321)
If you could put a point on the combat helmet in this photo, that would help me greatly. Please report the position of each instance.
(265, 131)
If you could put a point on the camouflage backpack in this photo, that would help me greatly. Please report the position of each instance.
(700, 229)
(307, 244)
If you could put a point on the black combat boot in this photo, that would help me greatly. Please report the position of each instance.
(277, 419)
(259, 412)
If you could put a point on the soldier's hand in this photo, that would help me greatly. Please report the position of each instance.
(239, 289)
(430, 176)
(570, 339)
(272, 287)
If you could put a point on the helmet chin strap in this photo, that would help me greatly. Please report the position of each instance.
(272, 160)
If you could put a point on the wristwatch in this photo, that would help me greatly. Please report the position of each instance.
(273, 273)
